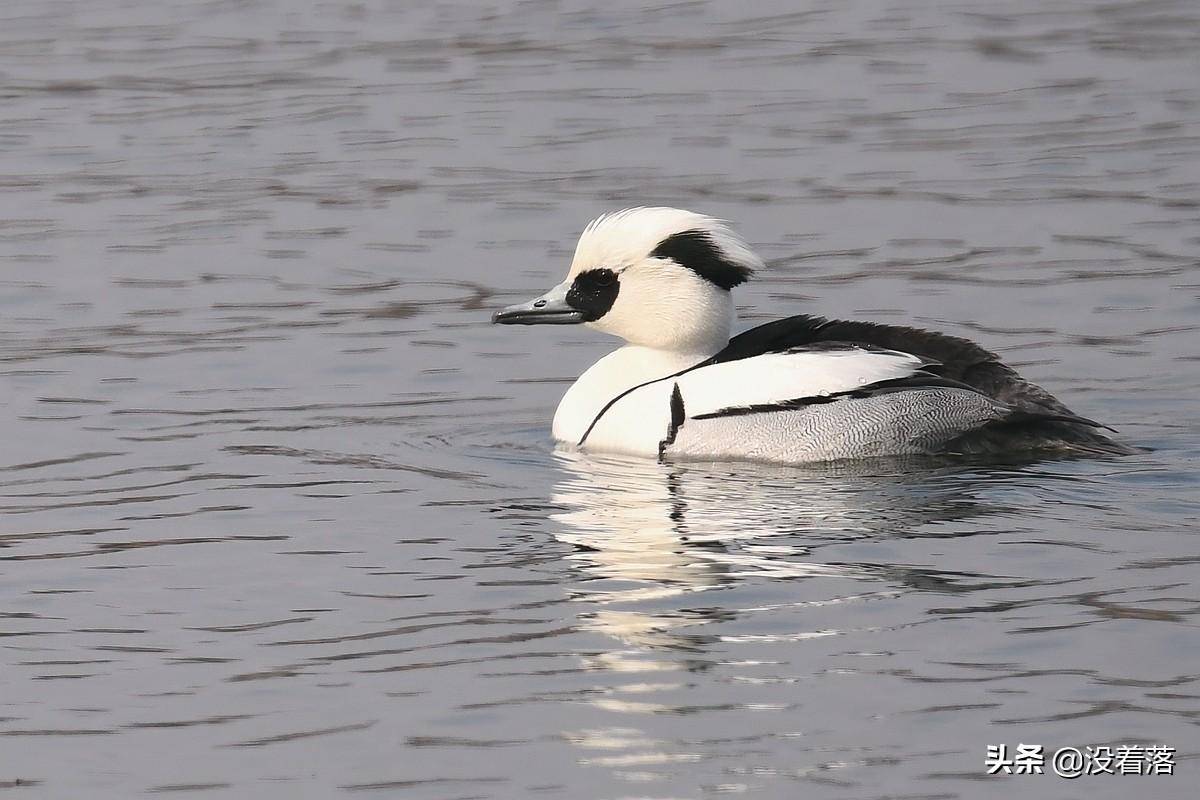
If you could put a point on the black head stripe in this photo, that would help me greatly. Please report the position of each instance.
(593, 292)
(696, 250)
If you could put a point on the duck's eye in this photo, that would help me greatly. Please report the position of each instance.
(593, 292)
(601, 277)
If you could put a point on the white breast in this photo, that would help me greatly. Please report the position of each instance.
(637, 428)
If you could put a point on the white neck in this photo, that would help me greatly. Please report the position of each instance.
(630, 366)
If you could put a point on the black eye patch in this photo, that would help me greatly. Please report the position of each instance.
(593, 292)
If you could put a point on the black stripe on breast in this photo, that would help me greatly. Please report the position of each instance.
(678, 415)
(613, 402)
(623, 394)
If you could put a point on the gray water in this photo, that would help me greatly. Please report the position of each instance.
(281, 516)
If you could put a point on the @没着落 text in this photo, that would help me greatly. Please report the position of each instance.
(1075, 762)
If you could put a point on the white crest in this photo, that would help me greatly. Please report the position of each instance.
(620, 239)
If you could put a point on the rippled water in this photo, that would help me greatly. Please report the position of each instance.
(280, 514)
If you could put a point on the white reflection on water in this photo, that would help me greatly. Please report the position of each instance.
(650, 533)
(655, 539)
(674, 528)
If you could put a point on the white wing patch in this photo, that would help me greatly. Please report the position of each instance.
(776, 377)
(637, 422)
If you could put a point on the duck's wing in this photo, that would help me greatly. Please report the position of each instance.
(802, 375)
(1032, 415)
(950, 357)
(821, 401)
(826, 401)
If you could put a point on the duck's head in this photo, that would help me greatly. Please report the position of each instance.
(657, 277)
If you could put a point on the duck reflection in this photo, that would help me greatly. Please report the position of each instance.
(678, 566)
(647, 531)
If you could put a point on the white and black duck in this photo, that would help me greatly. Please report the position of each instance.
(795, 390)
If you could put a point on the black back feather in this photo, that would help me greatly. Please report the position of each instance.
(954, 359)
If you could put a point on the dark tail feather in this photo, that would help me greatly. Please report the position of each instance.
(1021, 417)
(1039, 431)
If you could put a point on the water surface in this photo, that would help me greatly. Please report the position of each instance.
(280, 516)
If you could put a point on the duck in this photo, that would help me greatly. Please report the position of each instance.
(799, 389)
